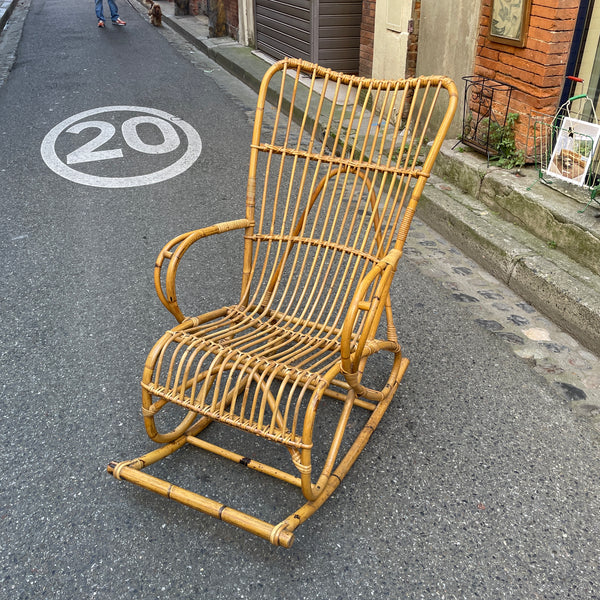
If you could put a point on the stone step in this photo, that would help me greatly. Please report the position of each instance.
(520, 197)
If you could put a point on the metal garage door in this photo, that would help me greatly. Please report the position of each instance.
(283, 28)
(322, 31)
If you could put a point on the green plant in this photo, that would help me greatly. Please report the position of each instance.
(502, 140)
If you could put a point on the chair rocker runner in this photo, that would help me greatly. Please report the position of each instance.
(337, 165)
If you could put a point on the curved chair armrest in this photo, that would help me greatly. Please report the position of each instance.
(174, 251)
(351, 359)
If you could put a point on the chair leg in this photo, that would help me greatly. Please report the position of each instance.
(334, 480)
(280, 534)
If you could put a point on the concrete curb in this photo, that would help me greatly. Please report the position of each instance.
(6, 8)
(563, 290)
(542, 210)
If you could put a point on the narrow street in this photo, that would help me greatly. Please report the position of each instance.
(116, 140)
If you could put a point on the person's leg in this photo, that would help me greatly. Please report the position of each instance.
(114, 11)
(99, 11)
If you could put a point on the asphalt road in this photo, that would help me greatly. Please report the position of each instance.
(479, 482)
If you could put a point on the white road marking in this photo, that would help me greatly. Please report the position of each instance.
(167, 124)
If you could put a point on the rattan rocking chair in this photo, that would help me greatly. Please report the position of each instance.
(337, 166)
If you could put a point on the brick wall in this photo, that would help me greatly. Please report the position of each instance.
(413, 41)
(231, 12)
(367, 34)
(200, 7)
(538, 69)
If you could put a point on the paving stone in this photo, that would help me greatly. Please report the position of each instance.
(491, 325)
(465, 298)
(541, 343)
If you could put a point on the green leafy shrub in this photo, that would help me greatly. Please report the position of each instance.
(502, 141)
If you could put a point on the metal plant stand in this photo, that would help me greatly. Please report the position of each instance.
(485, 112)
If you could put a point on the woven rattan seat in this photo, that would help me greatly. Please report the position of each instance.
(337, 165)
(209, 349)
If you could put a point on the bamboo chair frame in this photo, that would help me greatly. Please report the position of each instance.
(334, 180)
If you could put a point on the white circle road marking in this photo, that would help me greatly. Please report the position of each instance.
(87, 153)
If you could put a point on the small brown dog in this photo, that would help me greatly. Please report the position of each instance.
(155, 14)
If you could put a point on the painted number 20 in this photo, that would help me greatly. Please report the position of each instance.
(89, 152)
(161, 156)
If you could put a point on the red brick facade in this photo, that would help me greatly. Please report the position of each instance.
(413, 41)
(231, 12)
(537, 71)
(367, 35)
(200, 7)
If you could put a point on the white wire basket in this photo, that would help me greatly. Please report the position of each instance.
(566, 149)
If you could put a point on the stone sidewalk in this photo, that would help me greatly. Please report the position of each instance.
(543, 245)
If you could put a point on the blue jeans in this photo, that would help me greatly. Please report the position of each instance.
(114, 11)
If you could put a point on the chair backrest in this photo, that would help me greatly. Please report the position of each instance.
(337, 165)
